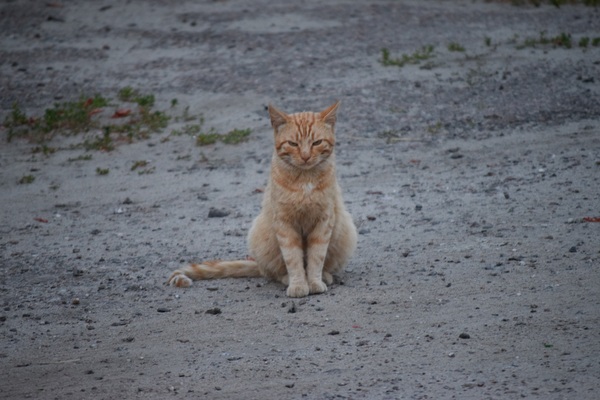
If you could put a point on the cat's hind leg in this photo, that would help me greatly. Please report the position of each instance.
(264, 248)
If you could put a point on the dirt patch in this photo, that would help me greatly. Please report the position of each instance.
(469, 174)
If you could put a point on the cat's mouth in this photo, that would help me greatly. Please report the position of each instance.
(307, 164)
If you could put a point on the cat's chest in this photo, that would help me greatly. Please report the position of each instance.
(307, 189)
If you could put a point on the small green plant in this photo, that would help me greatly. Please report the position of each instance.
(390, 136)
(69, 118)
(236, 136)
(128, 122)
(102, 143)
(27, 179)
(488, 41)
(131, 95)
(127, 93)
(15, 120)
(139, 164)
(453, 46)
(204, 139)
(561, 40)
(584, 41)
(191, 129)
(434, 128)
(44, 149)
(83, 157)
(425, 53)
(102, 171)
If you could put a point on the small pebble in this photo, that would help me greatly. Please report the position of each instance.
(292, 309)
(217, 213)
(75, 301)
(464, 336)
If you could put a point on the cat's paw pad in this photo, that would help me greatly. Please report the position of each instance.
(327, 278)
(179, 280)
(317, 287)
(298, 290)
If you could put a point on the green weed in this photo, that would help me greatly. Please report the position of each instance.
(83, 157)
(44, 149)
(204, 139)
(139, 164)
(68, 118)
(27, 179)
(425, 53)
(453, 46)
(102, 143)
(236, 136)
(131, 95)
(192, 130)
(561, 40)
(102, 171)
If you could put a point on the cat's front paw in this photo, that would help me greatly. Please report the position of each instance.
(297, 290)
(317, 287)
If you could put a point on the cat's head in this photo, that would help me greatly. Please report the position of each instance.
(304, 139)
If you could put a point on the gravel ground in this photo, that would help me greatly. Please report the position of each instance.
(473, 178)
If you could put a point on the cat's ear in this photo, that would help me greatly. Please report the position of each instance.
(329, 115)
(278, 118)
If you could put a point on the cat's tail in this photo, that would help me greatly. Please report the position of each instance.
(183, 277)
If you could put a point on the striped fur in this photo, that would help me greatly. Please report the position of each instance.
(303, 234)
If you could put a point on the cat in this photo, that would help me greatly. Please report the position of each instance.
(303, 233)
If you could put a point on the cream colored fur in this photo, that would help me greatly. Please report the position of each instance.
(303, 234)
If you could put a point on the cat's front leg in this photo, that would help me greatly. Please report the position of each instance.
(317, 244)
(290, 244)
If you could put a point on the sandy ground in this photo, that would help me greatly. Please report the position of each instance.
(469, 176)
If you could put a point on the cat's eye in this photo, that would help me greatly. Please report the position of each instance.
(317, 142)
(293, 144)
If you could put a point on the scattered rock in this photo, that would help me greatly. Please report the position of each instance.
(214, 311)
(292, 309)
(464, 336)
(217, 213)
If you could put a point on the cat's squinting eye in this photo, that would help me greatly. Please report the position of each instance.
(317, 142)
(293, 144)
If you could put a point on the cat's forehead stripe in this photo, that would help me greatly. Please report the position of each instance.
(304, 121)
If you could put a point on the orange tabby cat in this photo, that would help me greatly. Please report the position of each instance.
(303, 233)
